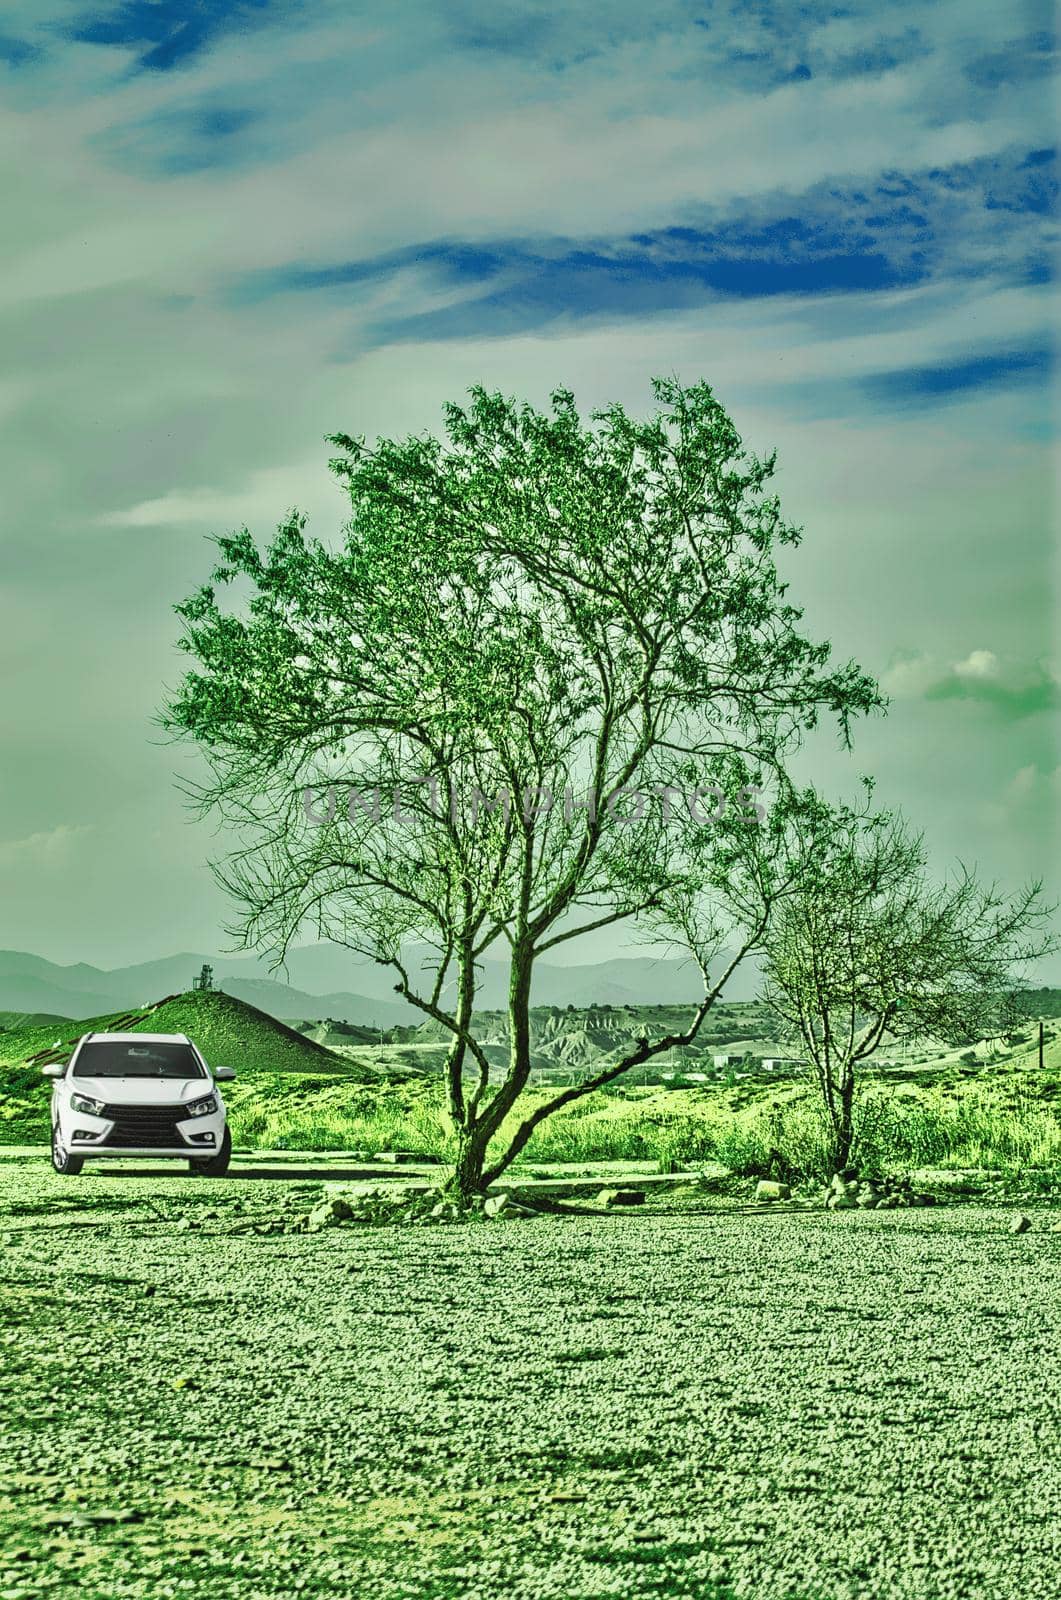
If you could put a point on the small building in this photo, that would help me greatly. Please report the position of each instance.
(725, 1060)
(784, 1063)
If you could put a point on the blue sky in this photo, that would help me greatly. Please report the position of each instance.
(239, 227)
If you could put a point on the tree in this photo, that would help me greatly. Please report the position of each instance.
(866, 946)
(576, 634)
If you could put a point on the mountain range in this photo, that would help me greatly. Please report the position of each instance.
(326, 981)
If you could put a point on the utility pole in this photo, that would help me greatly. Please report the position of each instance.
(1040, 1044)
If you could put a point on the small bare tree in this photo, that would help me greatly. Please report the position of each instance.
(557, 646)
(865, 946)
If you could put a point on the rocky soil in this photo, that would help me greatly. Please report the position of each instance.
(847, 1404)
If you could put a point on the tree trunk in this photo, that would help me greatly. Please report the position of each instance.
(519, 1043)
(467, 1180)
(458, 1109)
(844, 1123)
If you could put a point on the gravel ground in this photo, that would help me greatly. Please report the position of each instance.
(847, 1406)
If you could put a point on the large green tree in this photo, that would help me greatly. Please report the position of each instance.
(866, 946)
(550, 640)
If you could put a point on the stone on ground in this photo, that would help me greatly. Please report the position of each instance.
(621, 1197)
(329, 1213)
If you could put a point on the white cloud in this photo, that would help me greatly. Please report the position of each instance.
(259, 502)
(50, 850)
(977, 664)
(1014, 685)
(908, 676)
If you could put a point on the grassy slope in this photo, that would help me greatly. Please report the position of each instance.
(227, 1030)
(271, 1058)
(12, 1021)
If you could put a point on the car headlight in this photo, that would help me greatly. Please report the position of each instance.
(203, 1107)
(84, 1102)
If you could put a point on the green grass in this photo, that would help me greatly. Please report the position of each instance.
(898, 1129)
(980, 1125)
(292, 1094)
(274, 1113)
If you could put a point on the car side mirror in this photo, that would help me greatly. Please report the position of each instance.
(224, 1074)
(54, 1069)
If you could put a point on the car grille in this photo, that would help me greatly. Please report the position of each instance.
(145, 1127)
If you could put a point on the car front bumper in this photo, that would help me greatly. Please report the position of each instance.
(87, 1152)
(190, 1137)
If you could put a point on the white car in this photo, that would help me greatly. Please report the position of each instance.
(139, 1094)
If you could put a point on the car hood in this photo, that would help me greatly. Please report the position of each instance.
(142, 1091)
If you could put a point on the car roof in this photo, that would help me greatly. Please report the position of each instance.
(137, 1038)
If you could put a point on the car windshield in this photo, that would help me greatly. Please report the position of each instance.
(125, 1058)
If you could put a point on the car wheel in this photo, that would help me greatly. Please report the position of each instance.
(62, 1160)
(217, 1165)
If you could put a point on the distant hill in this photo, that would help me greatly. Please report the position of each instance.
(228, 1032)
(622, 980)
(231, 1033)
(332, 982)
(30, 984)
(331, 1033)
(11, 1021)
(281, 1001)
(1041, 1003)
(575, 1039)
(325, 981)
